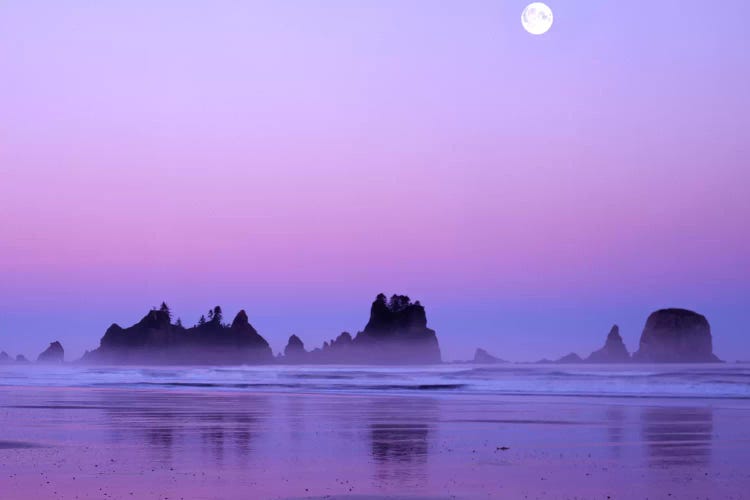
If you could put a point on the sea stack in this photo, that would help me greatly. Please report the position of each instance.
(156, 340)
(483, 357)
(614, 350)
(336, 351)
(294, 352)
(676, 336)
(570, 358)
(53, 354)
(397, 333)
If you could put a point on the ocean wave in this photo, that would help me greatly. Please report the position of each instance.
(697, 381)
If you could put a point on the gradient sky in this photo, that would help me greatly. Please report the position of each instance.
(295, 158)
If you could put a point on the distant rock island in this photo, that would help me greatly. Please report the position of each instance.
(295, 350)
(396, 333)
(676, 336)
(670, 336)
(570, 358)
(53, 354)
(156, 340)
(5, 358)
(483, 357)
(614, 350)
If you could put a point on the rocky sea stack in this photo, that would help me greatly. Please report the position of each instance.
(570, 358)
(53, 354)
(614, 350)
(483, 357)
(676, 336)
(156, 340)
(294, 350)
(396, 333)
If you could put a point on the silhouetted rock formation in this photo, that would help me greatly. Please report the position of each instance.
(483, 357)
(295, 350)
(21, 359)
(336, 351)
(4, 358)
(53, 354)
(570, 358)
(155, 340)
(342, 342)
(396, 333)
(614, 350)
(676, 336)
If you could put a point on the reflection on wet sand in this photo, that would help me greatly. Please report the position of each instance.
(162, 421)
(678, 435)
(615, 419)
(399, 443)
(400, 436)
(400, 440)
(235, 444)
(219, 427)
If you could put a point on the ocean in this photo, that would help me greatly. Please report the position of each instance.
(712, 381)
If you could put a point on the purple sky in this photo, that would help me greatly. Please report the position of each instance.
(296, 158)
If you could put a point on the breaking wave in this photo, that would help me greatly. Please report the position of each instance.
(670, 381)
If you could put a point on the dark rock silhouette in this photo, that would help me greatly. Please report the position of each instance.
(53, 354)
(343, 341)
(336, 351)
(155, 340)
(242, 334)
(676, 336)
(570, 358)
(483, 357)
(4, 358)
(396, 333)
(294, 350)
(21, 359)
(614, 350)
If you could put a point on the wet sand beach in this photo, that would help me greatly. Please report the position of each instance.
(89, 442)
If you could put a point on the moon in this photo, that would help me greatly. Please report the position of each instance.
(537, 18)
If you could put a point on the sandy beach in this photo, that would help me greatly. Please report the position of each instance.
(110, 442)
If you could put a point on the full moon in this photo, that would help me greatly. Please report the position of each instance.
(537, 18)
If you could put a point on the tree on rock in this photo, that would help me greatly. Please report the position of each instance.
(216, 315)
(165, 309)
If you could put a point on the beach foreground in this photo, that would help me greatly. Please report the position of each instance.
(209, 442)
